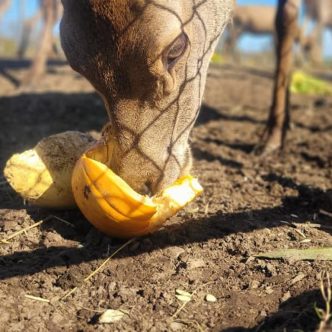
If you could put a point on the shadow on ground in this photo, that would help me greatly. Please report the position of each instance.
(292, 315)
(191, 231)
(27, 118)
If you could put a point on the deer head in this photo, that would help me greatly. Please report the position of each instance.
(148, 60)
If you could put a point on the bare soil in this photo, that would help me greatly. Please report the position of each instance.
(250, 205)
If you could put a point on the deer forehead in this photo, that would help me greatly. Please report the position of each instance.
(153, 23)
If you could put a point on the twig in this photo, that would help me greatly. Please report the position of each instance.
(36, 298)
(313, 225)
(63, 221)
(24, 230)
(98, 269)
(300, 233)
(325, 315)
(325, 213)
(5, 241)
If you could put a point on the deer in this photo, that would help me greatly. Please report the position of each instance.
(148, 61)
(257, 20)
(319, 11)
(260, 21)
(4, 5)
(50, 11)
(28, 26)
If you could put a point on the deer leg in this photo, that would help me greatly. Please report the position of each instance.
(4, 5)
(316, 50)
(278, 121)
(236, 33)
(28, 27)
(39, 64)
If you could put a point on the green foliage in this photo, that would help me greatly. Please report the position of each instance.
(217, 58)
(305, 84)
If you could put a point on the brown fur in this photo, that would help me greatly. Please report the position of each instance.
(120, 46)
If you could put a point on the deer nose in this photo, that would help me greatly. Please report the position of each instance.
(169, 84)
(147, 188)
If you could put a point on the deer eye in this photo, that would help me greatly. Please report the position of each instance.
(174, 52)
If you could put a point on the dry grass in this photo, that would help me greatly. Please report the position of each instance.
(325, 314)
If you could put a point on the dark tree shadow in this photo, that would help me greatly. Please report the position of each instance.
(9, 64)
(244, 147)
(27, 118)
(241, 71)
(200, 154)
(209, 113)
(12, 63)
(296, 314)
(313, 128)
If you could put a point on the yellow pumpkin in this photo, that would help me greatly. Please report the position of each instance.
(114, 208)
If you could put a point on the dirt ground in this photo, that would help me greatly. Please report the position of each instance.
(250, 205)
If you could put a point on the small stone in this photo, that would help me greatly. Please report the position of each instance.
(52, 238)
(254, 284)
(263, 313)
(269, 290)
(176, 326)
(286, 296)
(250, 259)
(175, 252)
(210, 298)
(126, 293)
(195, 264)
(270, 268)
(112, 286)
(298, 278)
(110, 316)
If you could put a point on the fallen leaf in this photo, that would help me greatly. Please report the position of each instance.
(312, 254)
(183, 298)
(182, 292)
(305, 84)
(182, 295)
(110, 316)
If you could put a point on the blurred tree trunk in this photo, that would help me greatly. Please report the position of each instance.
(28, 27)
(49, 14)
(4, 5)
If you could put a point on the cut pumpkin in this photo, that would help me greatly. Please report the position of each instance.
(114, 208)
